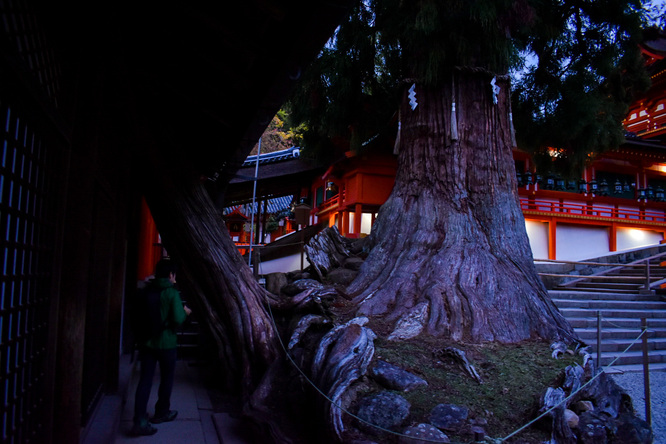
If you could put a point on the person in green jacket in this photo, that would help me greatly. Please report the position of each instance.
(160, 349)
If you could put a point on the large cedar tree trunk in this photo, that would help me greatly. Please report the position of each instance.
(233, 305)
(451, 236)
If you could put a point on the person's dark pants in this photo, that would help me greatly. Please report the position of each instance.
(149, 358)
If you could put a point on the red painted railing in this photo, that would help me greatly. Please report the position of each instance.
(333, 202)
(597, 210)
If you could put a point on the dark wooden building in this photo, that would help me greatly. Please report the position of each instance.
(91, 95)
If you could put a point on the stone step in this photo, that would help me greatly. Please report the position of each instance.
(640, 272)
(621, 305)
(627, 281)
(611, 314)
(633, 368)
(598, 295)
(615, 345)
(618, 345)
(635, 323)
(632, 357)
(589, 335)
(611, 286)
(188, 337)
(598, 290)
(609, 304)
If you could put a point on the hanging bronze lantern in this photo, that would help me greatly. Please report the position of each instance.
(603, 188)
(617, 189)
(582, 186)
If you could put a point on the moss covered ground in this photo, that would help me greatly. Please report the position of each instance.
(513, 378)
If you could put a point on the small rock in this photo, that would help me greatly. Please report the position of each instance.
(632, 430)
(384, 409)
(592, 429)
(571, 419)
(449, 417)
(275, 282)
(584, 406)
(395, 378)
(423, 433)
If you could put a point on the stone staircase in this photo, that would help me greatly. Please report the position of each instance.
(619, 295)
(189, 337)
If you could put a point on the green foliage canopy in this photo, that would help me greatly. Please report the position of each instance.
(576, 62)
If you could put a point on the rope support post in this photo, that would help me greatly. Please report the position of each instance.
(598, 338)
(646, 373)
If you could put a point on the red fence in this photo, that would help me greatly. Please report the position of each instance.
(597, 210)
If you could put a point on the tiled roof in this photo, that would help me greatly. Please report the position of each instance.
(274, 205)
(276, 156)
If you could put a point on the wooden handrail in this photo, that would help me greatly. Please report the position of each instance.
(599, 210)
(602, 274)
(610, 264)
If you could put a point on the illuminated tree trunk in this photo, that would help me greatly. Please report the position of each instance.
(233, 305)
(451, 238)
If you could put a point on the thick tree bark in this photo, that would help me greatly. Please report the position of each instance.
(452, 234)
(233, 304)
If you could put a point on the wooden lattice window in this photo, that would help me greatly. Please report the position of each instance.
(26, 231)
(20, 26)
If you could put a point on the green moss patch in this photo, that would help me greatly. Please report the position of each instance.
(514, 376)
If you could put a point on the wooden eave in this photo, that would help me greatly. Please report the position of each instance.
(199, 80)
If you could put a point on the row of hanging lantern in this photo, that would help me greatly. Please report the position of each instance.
(649, 193)
(601, 188)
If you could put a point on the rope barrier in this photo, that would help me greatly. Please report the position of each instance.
(608, 321)
(421, 439)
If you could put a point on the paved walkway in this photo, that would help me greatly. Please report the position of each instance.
(197, 421)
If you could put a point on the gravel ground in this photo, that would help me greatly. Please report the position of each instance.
(633, 384)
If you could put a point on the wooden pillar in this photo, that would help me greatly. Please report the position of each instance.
(612, 240)
(74, 287)
(148, 252)
(343, 222)
(552, 239)
(358, 215)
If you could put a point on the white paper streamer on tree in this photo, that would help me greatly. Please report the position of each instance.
(454, 119)
(412, 97)
(495, 89)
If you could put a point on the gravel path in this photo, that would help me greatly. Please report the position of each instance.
(633, 384)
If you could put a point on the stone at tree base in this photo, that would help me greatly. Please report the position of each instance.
(592, 429)
(275, 282)
(341, 276)
(571, 418)
(384, 409)
(632, 430)
(584, 406)
(423, 433)
(301, 285)
(449, 417)
(395, 378)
